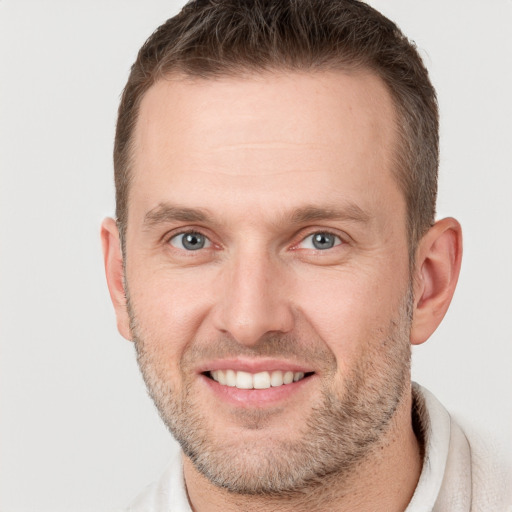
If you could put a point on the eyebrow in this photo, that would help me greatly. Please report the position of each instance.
(167, 213)
(164, 213)
(348, 212)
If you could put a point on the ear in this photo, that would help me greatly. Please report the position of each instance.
(438, 260)
(114, 271)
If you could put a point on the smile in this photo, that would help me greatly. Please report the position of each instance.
(260, 380)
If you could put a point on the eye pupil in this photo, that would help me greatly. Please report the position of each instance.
(193, 241)
(323, 241)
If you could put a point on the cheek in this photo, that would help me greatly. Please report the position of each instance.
(351, 311)
(169, 309)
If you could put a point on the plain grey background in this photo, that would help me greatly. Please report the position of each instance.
(77, 431)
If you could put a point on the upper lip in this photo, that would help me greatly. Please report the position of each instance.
(253, 365)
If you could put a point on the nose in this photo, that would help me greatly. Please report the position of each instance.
(254, 299)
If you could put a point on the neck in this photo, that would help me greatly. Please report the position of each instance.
(385, 480)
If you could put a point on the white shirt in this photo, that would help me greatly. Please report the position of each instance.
(457, 475)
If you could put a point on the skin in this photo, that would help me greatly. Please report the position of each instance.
(256, 155)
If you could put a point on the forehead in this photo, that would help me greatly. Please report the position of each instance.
(254, 136)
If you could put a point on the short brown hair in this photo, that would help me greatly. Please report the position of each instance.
(211, 38)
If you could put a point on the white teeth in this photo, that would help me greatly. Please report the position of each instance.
(230, 378)
(221, 377)
(276, 379)
(261, 380)
(244, 380)
(288, 378)
(296, 376)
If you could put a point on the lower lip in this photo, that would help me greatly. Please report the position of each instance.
(251, 398)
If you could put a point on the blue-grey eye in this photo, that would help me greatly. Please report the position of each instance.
(190, 241)
(320, 241)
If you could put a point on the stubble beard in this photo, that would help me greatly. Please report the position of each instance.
(340, 432)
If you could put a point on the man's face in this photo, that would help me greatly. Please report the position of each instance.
(267, 272)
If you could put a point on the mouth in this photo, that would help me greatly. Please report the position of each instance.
(257, 383)
(260, 380)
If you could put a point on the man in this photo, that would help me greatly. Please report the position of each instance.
(275, 254)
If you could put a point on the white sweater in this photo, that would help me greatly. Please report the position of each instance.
(460, 472)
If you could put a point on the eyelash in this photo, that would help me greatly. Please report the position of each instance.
(337, 240)
(208, 243)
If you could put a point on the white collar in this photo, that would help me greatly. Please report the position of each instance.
(435, 428)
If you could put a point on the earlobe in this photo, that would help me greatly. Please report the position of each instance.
(114, 271)
(438, 261)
